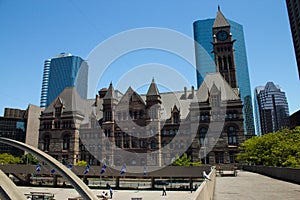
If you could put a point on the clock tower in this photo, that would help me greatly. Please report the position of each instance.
(223, 49)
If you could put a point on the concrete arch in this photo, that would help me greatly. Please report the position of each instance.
(76, 182)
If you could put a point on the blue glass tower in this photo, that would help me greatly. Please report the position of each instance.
(203, 36)
(45, 83)
(64, 71)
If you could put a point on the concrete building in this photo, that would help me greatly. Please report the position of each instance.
(293, 8)
(20, 125)
(64, 70)
(271, 108)
(207, 57)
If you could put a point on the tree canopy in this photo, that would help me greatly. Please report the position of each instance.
(6, 158)
(280, 148)
(185, 160)
(29, 159)
(81, 163)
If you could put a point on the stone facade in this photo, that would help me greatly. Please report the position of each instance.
(150, 129)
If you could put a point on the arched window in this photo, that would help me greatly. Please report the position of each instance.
(231, 134)
(220, 63)
(164, 143)
(134, 144)
(225, 63)
(143, 144)
(202, 135)
(66, 142)
(46, 142)
(230, 62)
(176, 118)
(153, 144)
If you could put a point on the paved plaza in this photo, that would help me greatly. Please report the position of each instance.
(245, 186)
(253, 186)
(65, 193)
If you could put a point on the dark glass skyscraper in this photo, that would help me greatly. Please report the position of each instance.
(293, 8)
(63, 71)
(271, 108)
(203, 36)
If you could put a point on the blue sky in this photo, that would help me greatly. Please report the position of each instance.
(32, 31)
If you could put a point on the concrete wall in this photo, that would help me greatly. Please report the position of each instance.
(206, 189)
(33, 125)
(8, 190)
(286, 174)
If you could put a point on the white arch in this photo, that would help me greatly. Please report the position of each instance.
(76, 182)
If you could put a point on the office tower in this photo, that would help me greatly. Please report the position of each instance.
(293, 7)
(271, 108)
(45, 83)
(206, 61)
(20, 125)
(63, 71)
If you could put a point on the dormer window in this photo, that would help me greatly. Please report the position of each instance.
(58, 111)
(58, 106)
(175, 115)
(176, 118)
(215, 96)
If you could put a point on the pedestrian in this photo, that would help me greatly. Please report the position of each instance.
(111, 193)
(104, 195)
(164, 191)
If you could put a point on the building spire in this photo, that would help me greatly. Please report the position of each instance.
(153, 91)
(110, 94)
(220, 20)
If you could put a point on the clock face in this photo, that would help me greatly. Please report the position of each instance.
(222, 35)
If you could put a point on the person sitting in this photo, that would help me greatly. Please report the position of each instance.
(104, 195)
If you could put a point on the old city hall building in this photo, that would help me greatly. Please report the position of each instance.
(153, 128)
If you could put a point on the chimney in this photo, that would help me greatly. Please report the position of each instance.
(193, 91)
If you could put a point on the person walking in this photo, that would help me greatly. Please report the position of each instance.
(164, 191)
(111, 193)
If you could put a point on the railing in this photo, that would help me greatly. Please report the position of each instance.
(206, 189)
(282, 173)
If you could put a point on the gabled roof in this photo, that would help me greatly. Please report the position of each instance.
(211, 79)
(220, 20)
(72, 102)
(214, 90)
(171, 99)
(134, 96)
(58, 102)
(153, 91)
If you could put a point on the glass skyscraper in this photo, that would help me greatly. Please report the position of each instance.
(293, 8)
(205, 64)
(271, 108)
(45, 83)
(63, 71)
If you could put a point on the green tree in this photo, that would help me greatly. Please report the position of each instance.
(6, 158)
(185, 160)
(81, 163)
(29, 159)
(281, 148)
